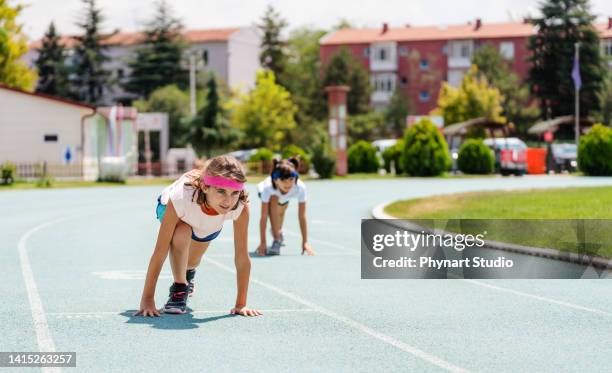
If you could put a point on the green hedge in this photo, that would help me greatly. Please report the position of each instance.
(425, 151)
(262, 154)
(394, 153)
(8, 172)
(475, 158)
(324, 161)
(362, 158)
(595, 151)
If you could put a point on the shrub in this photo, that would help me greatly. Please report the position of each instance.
(595, 151)
(425, 151)
(394, 153)
(475, 158)
(324, 161)
(9, 170)
(362, 158)
(263, 154)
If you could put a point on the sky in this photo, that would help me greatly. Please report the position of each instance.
(131, 15)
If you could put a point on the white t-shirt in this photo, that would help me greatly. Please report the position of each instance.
(189, 211)
(266, 191)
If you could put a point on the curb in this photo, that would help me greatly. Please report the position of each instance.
(379, 213)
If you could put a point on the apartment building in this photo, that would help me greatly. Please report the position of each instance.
(418, 59)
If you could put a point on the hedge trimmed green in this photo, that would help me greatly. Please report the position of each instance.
(262, 154)
(394, 153)
(425, 152)
(595, 151)
(475, 158)
(362, 158)
(324, 161)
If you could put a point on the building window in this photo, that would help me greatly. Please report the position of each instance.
(424, 64)
(51, 138)
(366, 52)
(205, 57)
(465, 51)
(606, 47)
(403, 51)
(506, 49)
(403, 80)
(120, 73)
(424, 96)
(382, 54)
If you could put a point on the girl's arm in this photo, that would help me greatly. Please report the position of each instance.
(304, 228)
(263, 220)
(166, 230)
(243, 264)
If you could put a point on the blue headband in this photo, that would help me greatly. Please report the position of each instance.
(277, 174)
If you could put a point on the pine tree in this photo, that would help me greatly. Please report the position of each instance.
(397, 112)
(89, 78)
(13, 45)
(272, 56)
(343, 69)
(563, 23)
(210, 129)
(52, 71)
(158, 62)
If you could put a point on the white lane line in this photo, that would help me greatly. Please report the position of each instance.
(43, 335)
(322, 242)
(352, 323)
(538, 297)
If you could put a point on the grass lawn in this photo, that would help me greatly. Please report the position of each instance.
(561, 203)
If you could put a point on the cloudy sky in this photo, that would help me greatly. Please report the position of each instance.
(130, 15)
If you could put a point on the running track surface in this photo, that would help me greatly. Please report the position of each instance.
(73, 261)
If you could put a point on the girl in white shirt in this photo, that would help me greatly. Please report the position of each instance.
(275, 192)
(192, 211)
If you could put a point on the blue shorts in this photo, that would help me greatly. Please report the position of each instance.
(161, 210)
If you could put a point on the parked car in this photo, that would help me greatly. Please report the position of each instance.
(510, 155)
(564, 157)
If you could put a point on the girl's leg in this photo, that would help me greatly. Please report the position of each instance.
(282, 209)
(196, 251)
(275, 219)
(179, 252)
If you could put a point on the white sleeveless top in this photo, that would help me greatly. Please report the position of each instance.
(266, 191)
(189, 210)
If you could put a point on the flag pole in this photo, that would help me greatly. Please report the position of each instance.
(577, 96)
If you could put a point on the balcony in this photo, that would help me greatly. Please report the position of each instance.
(383, 57)
(459, 62)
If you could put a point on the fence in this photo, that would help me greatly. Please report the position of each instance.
(40, 169)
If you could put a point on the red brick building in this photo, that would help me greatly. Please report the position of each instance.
(419, 59)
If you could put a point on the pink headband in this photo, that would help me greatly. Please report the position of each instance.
(222, 182)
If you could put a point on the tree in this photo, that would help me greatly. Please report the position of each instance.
(343, 69)
(473, 99)
(605, 100)
(52, 71)
(158, 62)
(272, 56)
(368, 127)
(89, 78)
(397, 112)
(210, 129)
(13, 44)
(265, 114)
(517, 105)
(425, 151)
(563, 23)
(169, 99)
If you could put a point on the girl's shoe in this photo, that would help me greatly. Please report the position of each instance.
(177, 301)
(190, 281)
(275, 248)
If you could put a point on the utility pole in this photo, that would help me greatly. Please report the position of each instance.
(192, 82)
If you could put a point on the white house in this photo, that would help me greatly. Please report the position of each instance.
(231, 53)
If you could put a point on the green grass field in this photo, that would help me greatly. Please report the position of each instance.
(561, 204)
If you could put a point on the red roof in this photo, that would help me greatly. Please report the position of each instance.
(133, 38)
(422, 33)
(48, 97)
